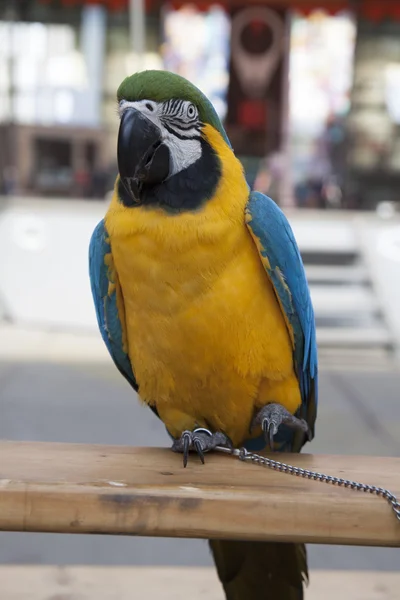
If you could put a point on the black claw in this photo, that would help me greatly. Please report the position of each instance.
(186, 445)
(272, 415)
(199, 450)
(201, 440)
(271, 436)
(268, 429)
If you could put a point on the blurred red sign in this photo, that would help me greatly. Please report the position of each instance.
(254, 119)
(369, 9)
(252, 114)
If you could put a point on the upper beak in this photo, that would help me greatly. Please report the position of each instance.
(143, 160)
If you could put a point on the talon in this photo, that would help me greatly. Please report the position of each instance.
(199, 450)
(200, 440)
(271, 416)
(271, 433)
(187, 438)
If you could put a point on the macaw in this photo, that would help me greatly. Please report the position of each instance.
(202, 301)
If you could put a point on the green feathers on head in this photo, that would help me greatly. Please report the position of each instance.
(161, 86)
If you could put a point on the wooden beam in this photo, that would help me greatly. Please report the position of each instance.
(76, 488)
(170, 583)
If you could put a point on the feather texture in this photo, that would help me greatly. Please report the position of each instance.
(108, 302)
(281, 258)
(259, 570)
(162, 86)
(216, 319)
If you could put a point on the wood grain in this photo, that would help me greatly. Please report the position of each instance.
(75, 488)
(126, 583)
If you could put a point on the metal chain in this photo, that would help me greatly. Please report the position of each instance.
(247, 456)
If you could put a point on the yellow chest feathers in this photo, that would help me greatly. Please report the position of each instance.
(201, 314)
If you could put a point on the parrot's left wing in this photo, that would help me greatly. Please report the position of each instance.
(281, 258)
(109, 302)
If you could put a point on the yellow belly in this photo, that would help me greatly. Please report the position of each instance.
(206, 336)
(206, 347)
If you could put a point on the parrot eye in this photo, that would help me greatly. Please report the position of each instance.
(191, 111)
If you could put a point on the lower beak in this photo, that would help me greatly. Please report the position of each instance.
(143, 160)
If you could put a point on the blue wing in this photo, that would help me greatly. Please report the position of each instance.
(108, 302)
(281, 258)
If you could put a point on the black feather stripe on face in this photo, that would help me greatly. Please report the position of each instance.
(174, 117)
(175, 130)
(173, 107)
(178, 109)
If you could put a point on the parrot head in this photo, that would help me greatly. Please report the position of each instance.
(165, 155)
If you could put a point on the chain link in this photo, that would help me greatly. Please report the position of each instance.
(247, 456)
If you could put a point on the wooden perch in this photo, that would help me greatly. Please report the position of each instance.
(74, 488)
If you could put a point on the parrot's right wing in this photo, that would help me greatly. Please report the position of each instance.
(281, 258)
(109, 302)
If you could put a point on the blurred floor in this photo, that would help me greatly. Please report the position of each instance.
(45, 398)
(117, 583)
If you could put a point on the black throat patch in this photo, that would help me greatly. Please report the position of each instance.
(186, 191)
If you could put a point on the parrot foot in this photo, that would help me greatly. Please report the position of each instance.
(271, 416)
(201, 440)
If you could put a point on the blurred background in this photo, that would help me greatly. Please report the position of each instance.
(309, 93)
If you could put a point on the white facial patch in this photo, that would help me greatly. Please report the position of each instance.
(183, 152)
(178, 123)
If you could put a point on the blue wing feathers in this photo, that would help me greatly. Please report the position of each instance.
(106, 303)
(284, 265)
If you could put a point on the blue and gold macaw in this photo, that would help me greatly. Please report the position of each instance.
(203, 303)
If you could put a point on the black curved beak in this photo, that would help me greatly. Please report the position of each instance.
(143, 160)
